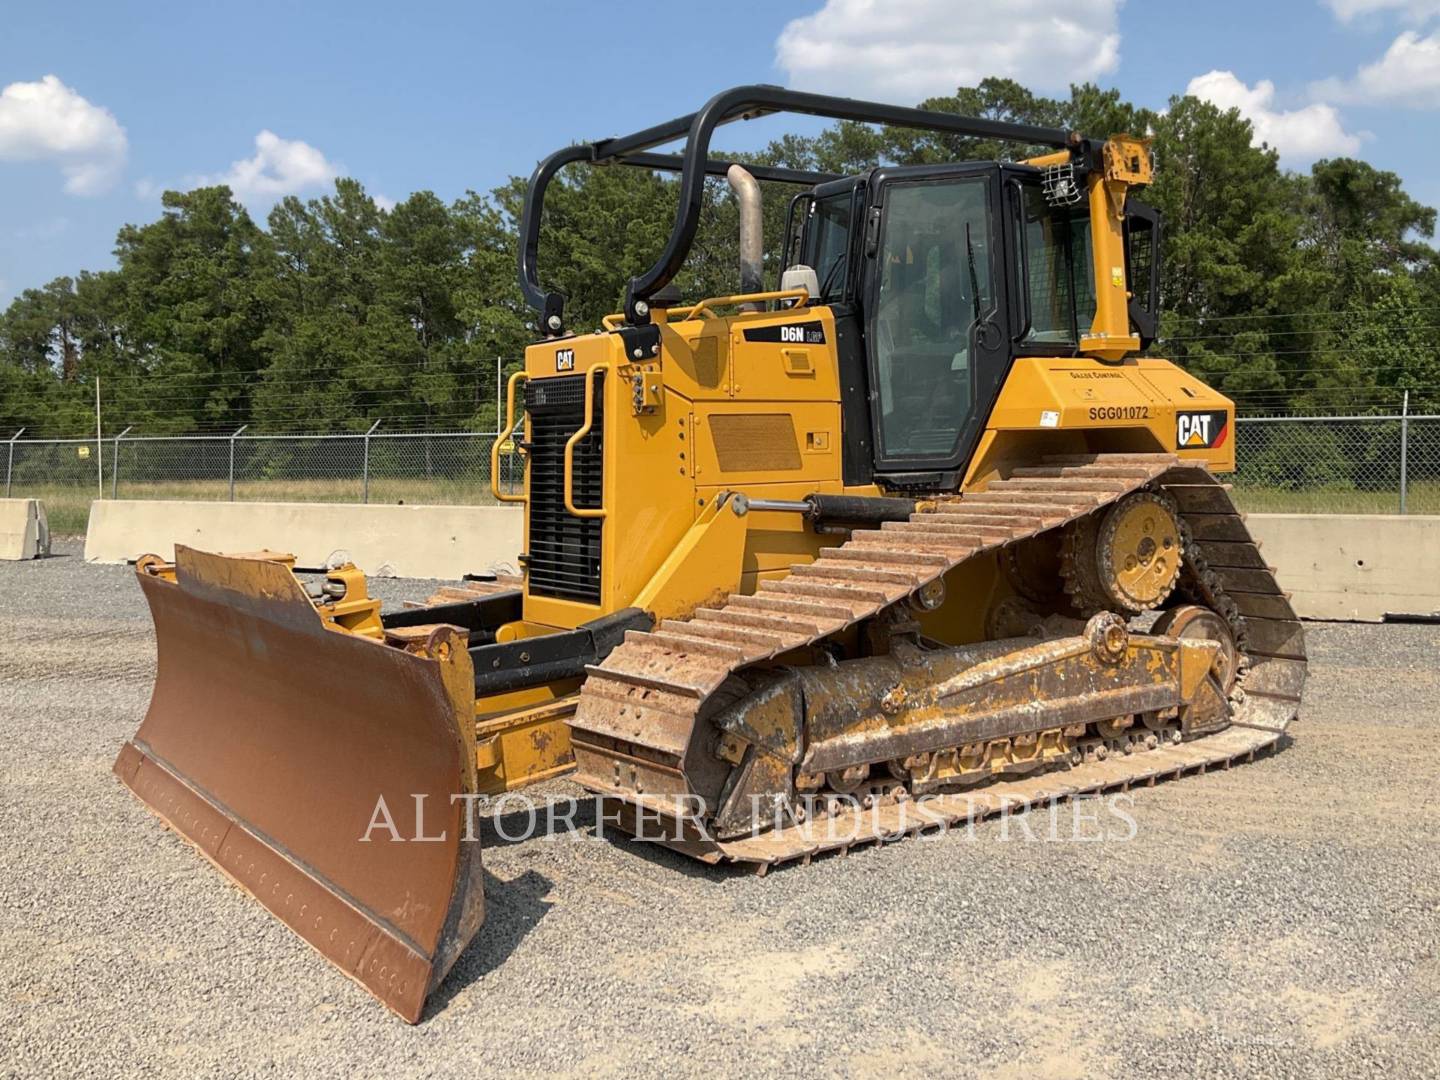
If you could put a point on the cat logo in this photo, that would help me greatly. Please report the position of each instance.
(565, 360)
(1201, 430)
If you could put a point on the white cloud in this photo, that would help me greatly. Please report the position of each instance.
(1408, 74)
(45, 229)
(48, 121)
(384, 202)
(279, 167)
(1416, 11)
(907, 50)
(1300, 135)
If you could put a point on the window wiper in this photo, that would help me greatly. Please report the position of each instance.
(830, 276)
(1070, 271)
(974, 278)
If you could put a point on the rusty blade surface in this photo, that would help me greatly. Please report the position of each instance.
(270, 742)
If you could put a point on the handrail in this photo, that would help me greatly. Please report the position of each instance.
(615, 320)
(581, 432)
(801, 297)
(511, 421)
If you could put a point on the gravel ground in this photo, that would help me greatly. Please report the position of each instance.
(1277, 919)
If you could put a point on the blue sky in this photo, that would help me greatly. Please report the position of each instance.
(102, 105)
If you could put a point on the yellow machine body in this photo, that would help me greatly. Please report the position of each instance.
(737, 416)
(748, 423)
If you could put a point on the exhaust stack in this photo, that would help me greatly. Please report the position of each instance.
(752, 233)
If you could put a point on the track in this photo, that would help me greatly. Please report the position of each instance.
(635, 727)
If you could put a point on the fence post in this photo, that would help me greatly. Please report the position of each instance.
(365, 466)
(235, 435)
(99, 447)
(115, 464)
(10, 465)
(1404, 444)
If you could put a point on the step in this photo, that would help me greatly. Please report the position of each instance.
(776, 624)
(759, 602)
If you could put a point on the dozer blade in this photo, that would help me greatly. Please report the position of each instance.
(285, 752)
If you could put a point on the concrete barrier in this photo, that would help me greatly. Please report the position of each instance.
(1336, 566)
(1353, 566)
(383, 540)
(24, 529)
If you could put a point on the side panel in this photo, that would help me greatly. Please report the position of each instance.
(1075, 405)
(744, 444)
(784, 356)
(749, 402)
(1204, 426)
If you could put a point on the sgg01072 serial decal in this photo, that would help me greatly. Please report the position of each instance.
(1120, 412)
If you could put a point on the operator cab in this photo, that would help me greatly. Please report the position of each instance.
(947, 273)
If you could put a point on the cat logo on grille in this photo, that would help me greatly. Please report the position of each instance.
(1201, 430)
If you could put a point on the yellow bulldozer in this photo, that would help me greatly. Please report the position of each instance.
(911, 538)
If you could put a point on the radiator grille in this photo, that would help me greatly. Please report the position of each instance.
(564, 556)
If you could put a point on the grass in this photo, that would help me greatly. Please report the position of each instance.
(1422, 497)
(68, 505)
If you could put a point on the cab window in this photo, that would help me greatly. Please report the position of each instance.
(1059, 279)
(828, 247)
(936, 284)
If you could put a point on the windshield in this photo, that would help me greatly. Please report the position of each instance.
(935, 285)
(1059, 279)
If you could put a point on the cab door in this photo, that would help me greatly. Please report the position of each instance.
(936, 330)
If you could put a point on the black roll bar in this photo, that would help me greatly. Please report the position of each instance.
(694, 164)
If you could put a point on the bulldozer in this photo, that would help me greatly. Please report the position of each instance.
(913, 537)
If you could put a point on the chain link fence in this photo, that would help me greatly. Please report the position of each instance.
(438, 468)
(1338, 464)
(1331, 464)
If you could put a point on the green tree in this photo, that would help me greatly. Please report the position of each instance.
(1287, 290)
(342, 351)
(192, 311)
(54, 341)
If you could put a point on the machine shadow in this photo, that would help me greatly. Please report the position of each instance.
(582, 823)
(512, 909)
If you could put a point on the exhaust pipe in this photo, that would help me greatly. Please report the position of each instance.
(752, 233)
